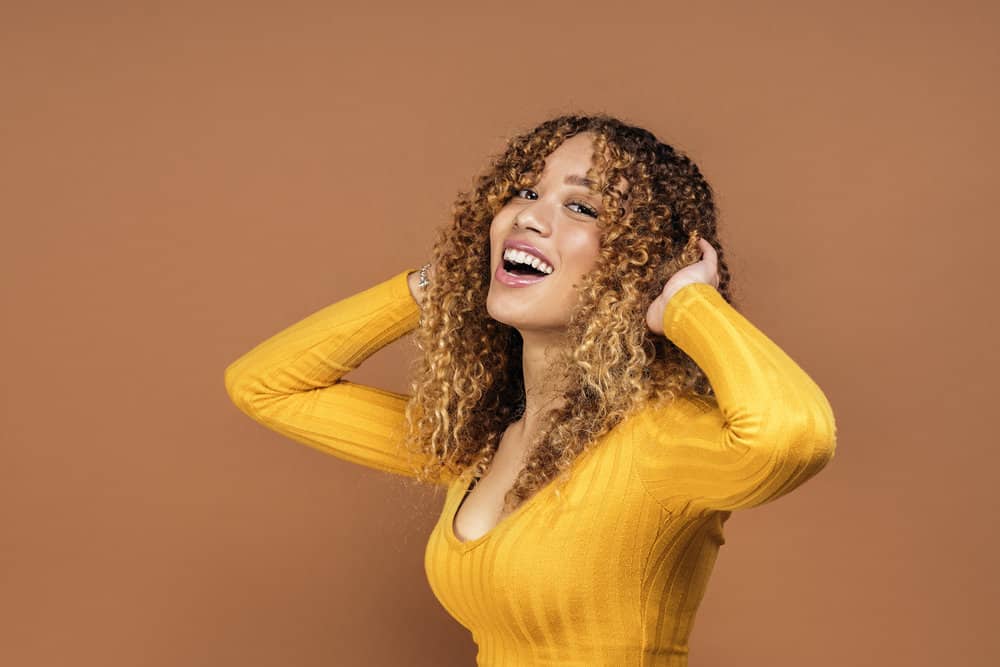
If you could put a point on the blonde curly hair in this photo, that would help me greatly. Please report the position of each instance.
(467, 385)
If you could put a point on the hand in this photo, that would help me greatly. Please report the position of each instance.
(415, 290)
(705, 270)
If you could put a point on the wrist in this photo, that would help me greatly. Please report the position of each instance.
(417, 292)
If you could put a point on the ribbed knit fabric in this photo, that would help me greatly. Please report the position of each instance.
(612, 573)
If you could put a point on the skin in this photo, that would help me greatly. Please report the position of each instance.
(558, 219)
(705, 270)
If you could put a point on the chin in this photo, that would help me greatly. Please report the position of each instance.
(523, 319)
(500, 313)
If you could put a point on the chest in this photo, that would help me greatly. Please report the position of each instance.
(552, 552)
(480, 508)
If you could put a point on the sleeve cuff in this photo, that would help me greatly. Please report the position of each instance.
(682, 301)
(401, 286)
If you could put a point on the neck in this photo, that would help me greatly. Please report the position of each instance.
(540, 395)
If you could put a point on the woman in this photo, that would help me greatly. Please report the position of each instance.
(592, 402)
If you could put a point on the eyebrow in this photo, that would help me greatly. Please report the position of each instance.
(574, 179)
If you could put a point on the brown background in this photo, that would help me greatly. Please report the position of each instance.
(181, 180)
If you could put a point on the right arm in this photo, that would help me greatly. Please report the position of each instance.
(291, 383)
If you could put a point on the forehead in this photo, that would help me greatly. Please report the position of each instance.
(577, 151)
(571, 161)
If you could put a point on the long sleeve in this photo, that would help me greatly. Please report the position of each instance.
(768, 429)
(291, 383)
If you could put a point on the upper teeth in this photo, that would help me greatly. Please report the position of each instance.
(522, 257)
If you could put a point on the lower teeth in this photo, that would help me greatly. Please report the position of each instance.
(522, 270)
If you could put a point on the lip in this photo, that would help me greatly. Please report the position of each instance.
(527, 247)
(503, 277)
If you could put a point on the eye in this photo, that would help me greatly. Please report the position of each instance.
(587, 210)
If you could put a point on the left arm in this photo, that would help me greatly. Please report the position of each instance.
(768, 429)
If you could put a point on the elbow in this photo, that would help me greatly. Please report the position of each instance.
(802, 435)
(811, 438)
(825, 439)
(238, 388)
(824, 431)
(250, 390)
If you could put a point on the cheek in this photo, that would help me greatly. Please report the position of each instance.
(494, 235)
(585, 250)
(499, 226)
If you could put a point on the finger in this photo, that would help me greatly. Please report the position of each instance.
(709, 249)
(711, 260)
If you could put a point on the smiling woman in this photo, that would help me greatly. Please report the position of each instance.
(556, 227)
(594, 425)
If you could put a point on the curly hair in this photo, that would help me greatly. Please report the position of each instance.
(467, 385)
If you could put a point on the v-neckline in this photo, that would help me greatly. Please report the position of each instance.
(464, 486)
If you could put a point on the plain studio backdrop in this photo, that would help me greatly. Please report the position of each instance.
(180, 181)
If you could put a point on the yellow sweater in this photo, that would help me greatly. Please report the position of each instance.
(614, 574)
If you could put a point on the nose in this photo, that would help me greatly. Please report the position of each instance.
(535, 216)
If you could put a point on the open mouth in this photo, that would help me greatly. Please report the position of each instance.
(519, 269)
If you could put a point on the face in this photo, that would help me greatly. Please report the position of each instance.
(557, 217)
